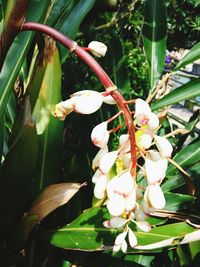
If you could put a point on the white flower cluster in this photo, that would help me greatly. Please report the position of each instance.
(124, 198)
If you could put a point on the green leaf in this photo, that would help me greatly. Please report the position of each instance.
(190, 57)
(187, 156)
(87, 233)
(176, 202)
(141, 260)
(116, 66)
(70, 23)
(49, 128)
(154, 38)
(18, 171)
(20, 47)
(184, 92)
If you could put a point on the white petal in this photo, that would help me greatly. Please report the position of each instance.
(144, 226)
(109, 100)
(97, 175)
(97, 48)
(107, 161)
(116, 205)
(100, 135)
(191, 237)
(163, 145)
(100, 187)
(116, 248)
(115, 222)
(155, 171)
(131, 201)
(153, 122)
(156, 196)
(142, 112)
(120, 238)
(87, 101)
(99, 155)
(124, 246)
(132, 238)
(63, 108)
(126, 160)
(145, 140)
(124, 184)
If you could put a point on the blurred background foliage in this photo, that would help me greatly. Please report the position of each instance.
(37, 150)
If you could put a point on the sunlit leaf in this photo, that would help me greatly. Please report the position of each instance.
(154, 38)
(184, 92)
(190, 57)
(87, 233)
(49, 128)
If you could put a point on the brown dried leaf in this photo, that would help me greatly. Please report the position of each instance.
(50, 199)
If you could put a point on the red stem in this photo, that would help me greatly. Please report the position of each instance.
(101, 74)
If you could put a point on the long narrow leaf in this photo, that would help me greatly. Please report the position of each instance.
(154, 37)
(190, 57)
(18, 52)
(184, 92)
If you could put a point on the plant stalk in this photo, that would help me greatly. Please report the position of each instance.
(101, 74)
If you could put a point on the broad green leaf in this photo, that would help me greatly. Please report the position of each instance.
(69, 25)
(184, 92)
(154, 38)
(50, 199)
(87, 233)
(49, 128)
(18, 170)
(20, 47)
(190, 57)
(116, 62)
(176, 202)
(187, 156)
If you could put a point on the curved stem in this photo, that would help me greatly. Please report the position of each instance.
(101, 74)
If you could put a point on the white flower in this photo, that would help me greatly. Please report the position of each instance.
(99, 155)
(120, 243)
(144, 140)
(116, 205)
(121, 191)
(63, 108)
(115, 222)
(109, 100)
(100, 135)
(100, 187)
(155, 170)
(84, 102)
(107, 161)
(97, 48)
(87, 101)
(144, 116)
(163, 145)
(122, 184)
(97, 175)
(154, 197)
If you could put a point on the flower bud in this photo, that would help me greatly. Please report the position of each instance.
(164, 146)
(100, 187)
(132, 238)
(63, 108)
(142, 112)
(107, 161)
(87, 101)
(99, 155)
(115, 222)
(100, 135)
(116, 205)
(155, 197)
(155, 170)
(97, 48)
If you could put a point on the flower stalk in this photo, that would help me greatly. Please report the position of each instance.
(111, 89)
